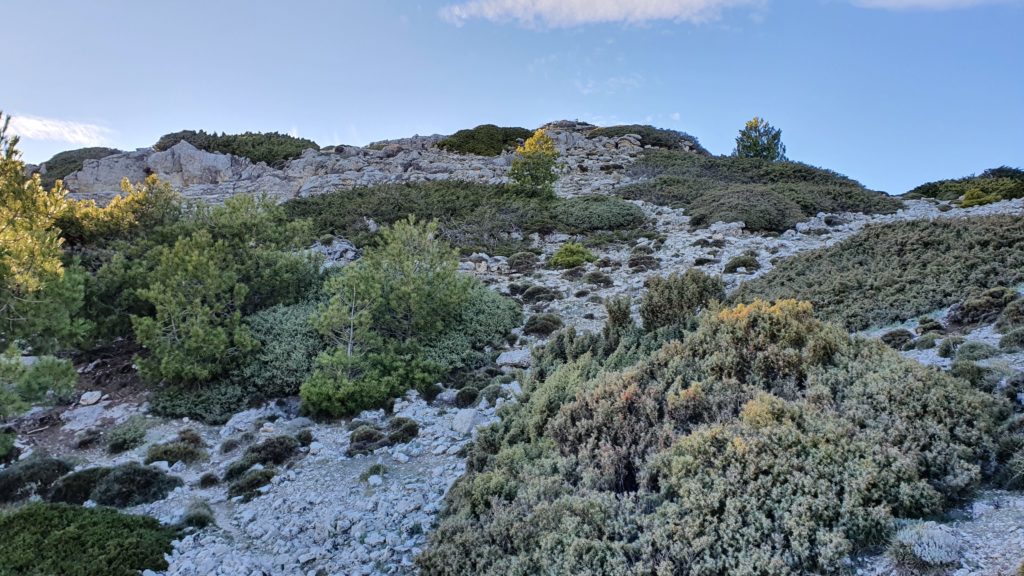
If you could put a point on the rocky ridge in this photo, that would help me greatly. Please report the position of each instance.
(587, 165)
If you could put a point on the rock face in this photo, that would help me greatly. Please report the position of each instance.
(586, 165)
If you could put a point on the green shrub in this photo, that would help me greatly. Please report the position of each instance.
(33, 475)
(198, 515)
(7, 450)
(1012, 341)
(271, 147)
(212, 403)
(64, 163)
(175, 451)
(949, 346)
(927, 341)
(69, 540)
(989, 186)
(590, 213)
(248, 486)
(22, 385)
(542, 324)
(366, 438)
(127, 435)
(239, 261)
(305, 437)
(208, 480)
(746, 261)
(899, 339)
(678, 298)
(77, 487)
(894, 272)
(766, 196)
(972, 351)
(484, 140)
(598, 278)
(133, 484)
(1012, 316)
(286, 355)
(275, 450)
(377, 469)
(982, 308)
(484, 319)
(570, 255)
(466, 397)
(650, 136)
(665, 452)
(522, 262)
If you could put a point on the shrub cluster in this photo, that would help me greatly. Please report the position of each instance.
(570, 255)
(273, 148)
(472, 217)
(894, 272)
(662, 453)
(678, 298)
(398, 319)
(992, 185)
(43, 538)
(650, 136)
(766, 196)
(484, 140)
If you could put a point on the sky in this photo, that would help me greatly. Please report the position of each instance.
(892, 93)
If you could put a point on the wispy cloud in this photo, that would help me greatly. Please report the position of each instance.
(566, 13)
(924, 4)
(55, 130)
(609, 86)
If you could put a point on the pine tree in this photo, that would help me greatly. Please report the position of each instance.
(759, 139)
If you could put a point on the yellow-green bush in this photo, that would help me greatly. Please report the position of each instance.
(570, 255)
(763, 442)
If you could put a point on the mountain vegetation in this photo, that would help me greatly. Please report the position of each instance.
(767, 196)
(273, 148)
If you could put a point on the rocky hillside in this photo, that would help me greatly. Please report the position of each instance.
(629, 421)
(587, 165)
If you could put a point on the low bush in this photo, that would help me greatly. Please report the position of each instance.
(286, 355)
(33, 475)
(466, 397)
(275, 450)
(663, 453)
(589, 213)
(40, 539)
(766, 196)
(212, 403)
(538, 293)
(1012, 316)
(949, 346)
(989, 186)
(64, 163)
(367, 438)
(273, 148)
(485, 140)
(972, 351)
(127, 435)
(570, 255)
(650, 136)
(77, 487)
(522, 262)
(373, 470)
(1012, 341)
(894, 272)
(248, 486)
(925, 546)
(198, 515)
(748, 262)
(927, 341)
(982, 308)
(133, 484)
(187, 447)
(542, 324)
(305, 437)
(598, 278)
(898, 339)
(677, 299)
(21, 385)
(483, 320)
(208, 480)
(8, 451)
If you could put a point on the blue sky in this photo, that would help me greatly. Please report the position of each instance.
(890, 92)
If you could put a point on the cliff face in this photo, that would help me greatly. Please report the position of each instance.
(586, 164)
